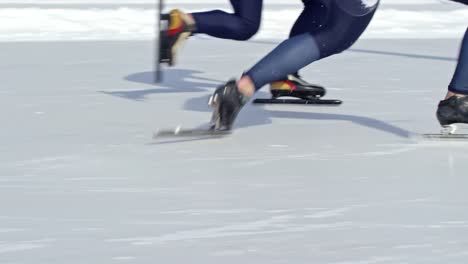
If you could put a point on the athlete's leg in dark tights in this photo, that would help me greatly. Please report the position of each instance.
(319, 32)
(241, 25)
(459, 84)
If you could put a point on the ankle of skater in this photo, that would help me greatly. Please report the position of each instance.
(246, 86)
(452, 94)
(188, 18)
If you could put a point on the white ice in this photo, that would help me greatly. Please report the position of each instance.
(81, 180)
(37, 23)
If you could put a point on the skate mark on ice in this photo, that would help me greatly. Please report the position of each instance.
(274, 225)
(179, 141)
(24, 245)
(87, 229)
(46, 160)
(264, 159)
(11, 230)
(210, 212)
(427, 143)
(413, 246)
(371, 260)
(19, 247)
(224, 232)
(124, 258)
(360, 120)
(390, 152)
(95, 179)
(227, 253)
(330, 213)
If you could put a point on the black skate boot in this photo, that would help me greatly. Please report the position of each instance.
(173, 36)
(453, 110)
(227, 102)
(452, 114)
(294, 86)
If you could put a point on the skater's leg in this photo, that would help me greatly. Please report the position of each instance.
(313, 18)
(339, 34)
(241, 25)
(454, 109)
(298, 51)
(459, 84)
(289, 57)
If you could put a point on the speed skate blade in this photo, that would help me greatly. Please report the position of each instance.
(322, 102)
(454, 131)
(446, 136)
(190, 133)
(162, 27)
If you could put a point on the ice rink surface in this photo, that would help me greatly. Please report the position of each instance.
(83, 182)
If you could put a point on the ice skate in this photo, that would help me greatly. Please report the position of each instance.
(452, 114)
(227, 102)
(295, 87)
(174, 31)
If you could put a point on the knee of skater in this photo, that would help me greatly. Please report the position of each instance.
(246, 29)
(329, 49)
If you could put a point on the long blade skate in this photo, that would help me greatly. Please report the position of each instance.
(314, 101)
(294, 90)
(451, 132)
(179, 132)
(162, 27)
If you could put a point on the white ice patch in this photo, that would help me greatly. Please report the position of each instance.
(125, 258)
(369, 3)
(125, 23)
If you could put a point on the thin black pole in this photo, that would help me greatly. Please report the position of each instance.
(158, 71)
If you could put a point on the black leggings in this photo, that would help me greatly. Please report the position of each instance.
(324, 28)
(241, 25)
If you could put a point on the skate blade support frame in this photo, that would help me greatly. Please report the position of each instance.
(158, 76)
(180, 132)
(317, 101)
(451, 132)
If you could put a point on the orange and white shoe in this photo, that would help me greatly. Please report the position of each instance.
(173, 36)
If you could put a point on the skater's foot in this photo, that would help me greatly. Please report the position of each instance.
(294, 86)
(180, 27)
(452, 110)
(227, 101)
